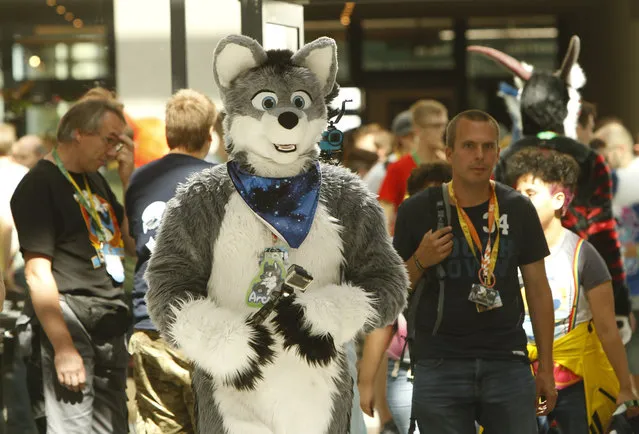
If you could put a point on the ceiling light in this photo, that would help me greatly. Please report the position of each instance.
(34, 61)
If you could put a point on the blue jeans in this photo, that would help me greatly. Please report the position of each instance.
(399, 395)
(450, 395)
(570, 411)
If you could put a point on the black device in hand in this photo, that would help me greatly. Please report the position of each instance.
(297, 278)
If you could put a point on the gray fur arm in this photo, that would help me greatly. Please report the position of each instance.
(370, 260)
(180, 266)
(375, 284)
(218, 340)
(374, 265)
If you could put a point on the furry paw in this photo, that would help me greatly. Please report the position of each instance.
(339, 310)
(262, 344)
(289, 322)
(221, 342)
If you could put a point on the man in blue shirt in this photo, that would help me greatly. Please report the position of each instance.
(162, 375)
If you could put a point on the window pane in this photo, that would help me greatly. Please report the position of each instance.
(86, 50)
(87, 70)
(335, 30)
(45, 52)
(408, 44)
(61, 70)
(529, 39)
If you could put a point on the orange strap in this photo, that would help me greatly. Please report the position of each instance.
(488, 260)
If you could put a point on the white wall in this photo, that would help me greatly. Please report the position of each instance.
(143, 55)
(143, 49)
(279, 19)
(208, 21)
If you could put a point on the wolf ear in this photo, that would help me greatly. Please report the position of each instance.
(234, 55)
(320, 56)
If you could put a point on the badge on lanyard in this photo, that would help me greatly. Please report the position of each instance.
(271, 273)
(483, 294)
(485, 298)
(113, 262)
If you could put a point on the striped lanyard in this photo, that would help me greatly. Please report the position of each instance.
(488, 260)
(89, 206)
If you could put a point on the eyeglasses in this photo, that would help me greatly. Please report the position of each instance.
(111, 141)
(433, 125)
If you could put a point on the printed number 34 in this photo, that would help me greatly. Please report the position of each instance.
(503, 224)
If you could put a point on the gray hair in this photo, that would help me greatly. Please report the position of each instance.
(471, 115)
(86, 116)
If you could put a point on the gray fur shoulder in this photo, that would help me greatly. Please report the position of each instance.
(340, 187)
(214, 181)
(370, 261)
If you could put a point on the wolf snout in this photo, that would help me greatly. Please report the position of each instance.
(288, 120)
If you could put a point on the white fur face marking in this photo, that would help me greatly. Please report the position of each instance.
(577, 81)
(267, 142)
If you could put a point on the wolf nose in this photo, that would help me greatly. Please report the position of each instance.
(288, 120)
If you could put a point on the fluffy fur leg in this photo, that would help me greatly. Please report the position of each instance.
(221, 343)
(338, 310)
(289, 322)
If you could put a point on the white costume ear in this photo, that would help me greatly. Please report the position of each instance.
(234, 55)
(320, 56)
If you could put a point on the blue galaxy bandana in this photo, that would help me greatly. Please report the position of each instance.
(286, 205)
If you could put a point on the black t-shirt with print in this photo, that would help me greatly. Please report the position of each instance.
(151, 187)
(52, 223)
(464, 332)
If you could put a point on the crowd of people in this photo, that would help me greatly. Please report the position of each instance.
(541, 353)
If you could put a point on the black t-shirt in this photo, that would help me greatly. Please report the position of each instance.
(150, 188)
(51, 222)
(464, 332)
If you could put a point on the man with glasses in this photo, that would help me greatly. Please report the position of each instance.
(73, 234)
(429, 123)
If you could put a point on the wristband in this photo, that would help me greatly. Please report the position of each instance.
(419, 266)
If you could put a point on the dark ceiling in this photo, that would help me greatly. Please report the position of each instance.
(331, 9)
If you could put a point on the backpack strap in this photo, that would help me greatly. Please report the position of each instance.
(443, 219)
(446, 198)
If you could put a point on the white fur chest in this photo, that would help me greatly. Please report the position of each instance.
(294, 396)
(243, 237)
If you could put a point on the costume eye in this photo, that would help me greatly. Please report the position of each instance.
(264, 100)
(301, 99)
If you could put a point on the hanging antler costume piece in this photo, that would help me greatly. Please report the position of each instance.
(550, 105)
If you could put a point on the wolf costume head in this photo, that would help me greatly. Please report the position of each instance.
(276, 115)
(549, 101)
